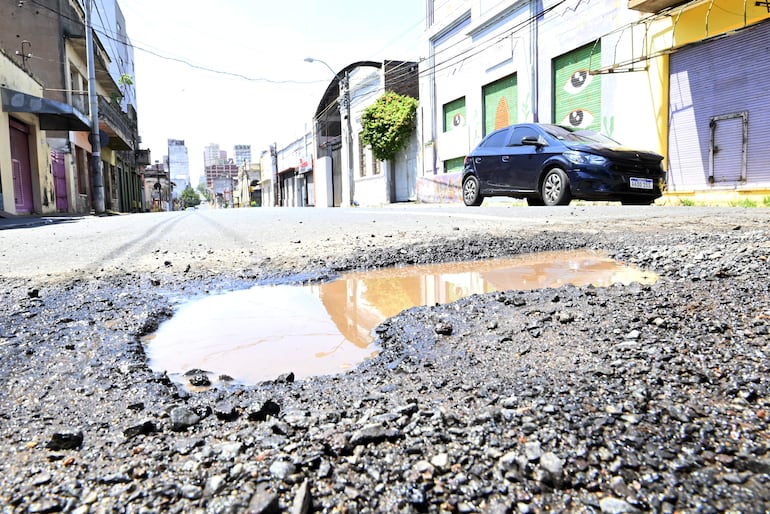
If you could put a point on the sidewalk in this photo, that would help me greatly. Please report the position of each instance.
(9, 221)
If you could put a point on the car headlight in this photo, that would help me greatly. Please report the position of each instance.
(576, 157)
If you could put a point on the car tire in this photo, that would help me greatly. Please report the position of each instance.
(554, 189)
(471, 195)
(533, 201)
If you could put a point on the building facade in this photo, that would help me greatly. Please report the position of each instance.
(221, 180)
(178, 160)
(52, 49)
(344, 170)
(642, 73)
(242, 154)
(294, 184)
(213, 155)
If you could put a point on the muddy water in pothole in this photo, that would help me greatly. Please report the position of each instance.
(261, 333)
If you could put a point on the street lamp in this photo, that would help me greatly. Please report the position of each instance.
(343, 102)
(310, 59)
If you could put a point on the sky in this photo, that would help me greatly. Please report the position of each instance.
(234, 72)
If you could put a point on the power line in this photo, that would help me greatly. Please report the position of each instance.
(110, 37)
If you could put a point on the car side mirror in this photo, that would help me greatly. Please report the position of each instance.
(532, 141)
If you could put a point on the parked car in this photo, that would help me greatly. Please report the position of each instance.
(552, 164)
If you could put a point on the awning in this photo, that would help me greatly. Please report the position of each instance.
(52, 115)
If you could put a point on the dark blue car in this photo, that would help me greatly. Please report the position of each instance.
(551, 165)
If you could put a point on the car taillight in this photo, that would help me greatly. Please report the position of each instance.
(466, 161)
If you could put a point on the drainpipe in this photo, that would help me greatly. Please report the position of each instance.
(533, 55)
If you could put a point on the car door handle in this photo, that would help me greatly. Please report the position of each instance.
(505, 158)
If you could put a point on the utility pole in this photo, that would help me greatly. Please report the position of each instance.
(170, 188)
(97, 175)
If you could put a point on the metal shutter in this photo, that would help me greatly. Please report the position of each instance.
(500, 100)
(578, 94)
(713, 87)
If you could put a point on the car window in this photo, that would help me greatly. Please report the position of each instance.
(496, 139)
(520, 133)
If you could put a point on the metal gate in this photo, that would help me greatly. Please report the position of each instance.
(729, 138)
(719, 114)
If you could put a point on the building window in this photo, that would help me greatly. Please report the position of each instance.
(454, 114)
(366, 161)
(78, 91)
(82, 167)
(454, 165)
(361, 157)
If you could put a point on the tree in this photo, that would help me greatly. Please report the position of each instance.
(203, 192)
(189, 197)
(388, 123)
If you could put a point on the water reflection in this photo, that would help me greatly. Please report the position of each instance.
(263, 332)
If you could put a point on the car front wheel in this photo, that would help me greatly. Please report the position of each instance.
(555, 188)
(471, 195)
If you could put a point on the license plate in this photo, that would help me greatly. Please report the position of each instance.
(640, 183)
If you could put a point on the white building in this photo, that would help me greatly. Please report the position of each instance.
(345, 171)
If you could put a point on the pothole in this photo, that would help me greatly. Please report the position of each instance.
(258, 334)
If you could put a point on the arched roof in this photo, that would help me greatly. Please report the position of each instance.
(333, 89)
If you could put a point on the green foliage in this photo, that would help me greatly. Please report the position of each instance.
(687, 202)
(746, 203)
(190, 198)
(203, 192)
(766, 201)
(388, 123)
(125, 80)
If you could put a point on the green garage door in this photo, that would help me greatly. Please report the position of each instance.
(578, 94)
(454, 114)
(500, 103)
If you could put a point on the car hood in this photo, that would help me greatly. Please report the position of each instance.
(618, 153)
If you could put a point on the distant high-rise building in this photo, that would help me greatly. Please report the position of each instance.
(212, 155)
(220, 171)
(177, 159)
(242, 154)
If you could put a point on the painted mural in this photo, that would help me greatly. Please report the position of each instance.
(577, 93)
(500, 103)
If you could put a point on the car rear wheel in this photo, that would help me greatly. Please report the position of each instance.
(471, 195)
(555, 188)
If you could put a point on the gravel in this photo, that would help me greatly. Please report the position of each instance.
(619, 399)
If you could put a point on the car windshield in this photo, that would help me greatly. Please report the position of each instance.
(579, 136)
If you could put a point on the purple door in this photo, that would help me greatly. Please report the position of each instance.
(59, 182)
(22, 173)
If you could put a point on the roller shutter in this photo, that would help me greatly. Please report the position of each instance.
(719, 112)
(500, 100)
(578, 94)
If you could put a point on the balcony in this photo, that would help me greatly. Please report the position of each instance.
(117, 125)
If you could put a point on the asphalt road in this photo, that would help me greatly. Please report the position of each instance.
(228, 239)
